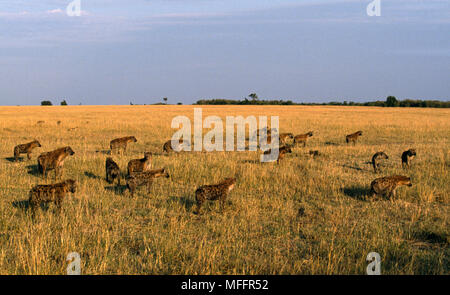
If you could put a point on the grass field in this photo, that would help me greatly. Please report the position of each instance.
(261, 230)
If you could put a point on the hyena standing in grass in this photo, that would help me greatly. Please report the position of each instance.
(353, 137)
(144, 178)
(167, 147)
(407, 156)
(388, 185)
(376, 158)
(25, 148)
(112, 171)
(213, 193)
(285, 136)
(120, 144)
(140, 165)
(302, 138)
(54, 160)
(51, 193)
(282, 151)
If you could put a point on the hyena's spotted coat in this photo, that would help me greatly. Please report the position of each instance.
(25, 148)
(112, 171)
(353, 137)
(167, 147)
(140, 165)
(144, 178)
(302, 138)
(376, 158)
(214, 192)
(51, 193)
(282, 151)
(407, 156)
(54, 160)
(388, 185)
(120, 144)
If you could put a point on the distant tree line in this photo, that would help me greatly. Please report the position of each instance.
(49, 103)
(390, 101)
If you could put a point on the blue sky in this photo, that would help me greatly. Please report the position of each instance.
(142, 51)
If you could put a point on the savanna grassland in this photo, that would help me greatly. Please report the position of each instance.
(303, 216)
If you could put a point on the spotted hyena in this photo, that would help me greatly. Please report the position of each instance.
(120, 144)
(388, 185)
(112, 171)
(285, 136)
(407, 156)
(140, 165)
(314, 154)
(167, 146)
(282, 151)
(302, 138)
(54, 160)
(376, 158)
(214, 192)
(263, 132)
(353, 137)
(51, 193)
(144, 178)
(25, 148)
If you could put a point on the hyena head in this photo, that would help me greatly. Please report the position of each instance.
(147, 155)
(412, 152)
(230, 182)
(133, 139)
(314, 153)
(286, 149)
(68, 150)
(383, 155)
(405, 181)
(37, 143)
(359, 133)
(71, 185)
(162, 172)
(291, 136)
(309, 134)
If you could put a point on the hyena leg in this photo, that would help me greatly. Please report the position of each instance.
(199, 205)
(304, 143)
(58, 202)
(16, 155)
(222, 203)
(29, 155)
(118, 179)
(57, 173)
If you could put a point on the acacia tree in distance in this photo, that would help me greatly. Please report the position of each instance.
(46, 103)
(253, 96)
(391, 101)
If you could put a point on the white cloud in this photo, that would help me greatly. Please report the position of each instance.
(57, 10)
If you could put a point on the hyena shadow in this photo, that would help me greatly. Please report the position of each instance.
(355, 168)
(104, 152)
(12, 159)
(91, 175)
(117, 189)
(331, 143)
(184, 201)
(357, 192)
(33, 170)
(25, 205)
(250, 161)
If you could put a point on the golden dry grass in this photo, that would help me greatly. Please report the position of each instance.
(261, 231)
